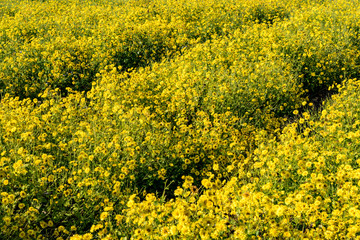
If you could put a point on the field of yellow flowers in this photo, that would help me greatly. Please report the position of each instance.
(179, 119)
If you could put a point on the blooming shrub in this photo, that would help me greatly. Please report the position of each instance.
(179, 119)
(64, 44)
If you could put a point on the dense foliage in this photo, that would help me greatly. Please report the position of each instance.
(179, 119)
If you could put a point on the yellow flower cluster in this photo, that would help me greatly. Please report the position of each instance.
(179, 119)
(303, 186)
(66, 43)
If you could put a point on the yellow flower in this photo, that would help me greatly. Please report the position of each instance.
(87, 236)
(6, 182)
(22, 234)
(148, 230)
(61, 228)
(287, 234)
(280, 211)
(70, 180)
(5, 201)
(178, 191)
(104, 215)
(119, 218)
(22, 194)
(51, 178)
(206, 183)
(216, 167)
(43, 224)
(76, 237)
(7, 220)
